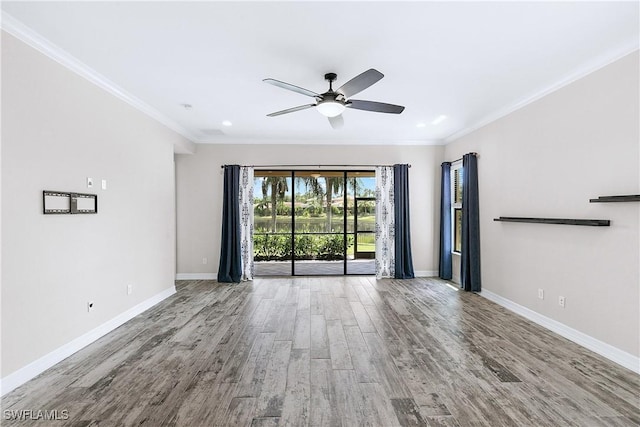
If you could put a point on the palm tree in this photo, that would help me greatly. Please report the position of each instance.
(279, 188)
(333, 185)
(313, 187)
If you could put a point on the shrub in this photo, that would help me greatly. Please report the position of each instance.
(271, 247)
(305, 246)
(331, 246)
(284, 210)
(268, 246)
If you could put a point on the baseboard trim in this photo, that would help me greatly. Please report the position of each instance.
(612, 353)
(425, 273)
(35, 368)
(214, 276)
(197, 276)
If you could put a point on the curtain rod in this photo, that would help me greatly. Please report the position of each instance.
(313, 166)
(460, 159)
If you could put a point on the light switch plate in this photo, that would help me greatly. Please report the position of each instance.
(89, 182)
(104, 184)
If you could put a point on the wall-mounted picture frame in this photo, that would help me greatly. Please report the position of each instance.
(60, 202)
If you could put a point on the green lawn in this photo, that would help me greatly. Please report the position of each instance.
(362, 247)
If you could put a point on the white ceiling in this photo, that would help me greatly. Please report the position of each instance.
(470, 61)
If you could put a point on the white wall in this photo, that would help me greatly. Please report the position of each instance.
(58, 129)
(547, 160)
(199, 183)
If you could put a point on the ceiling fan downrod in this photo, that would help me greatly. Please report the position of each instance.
(330, 77)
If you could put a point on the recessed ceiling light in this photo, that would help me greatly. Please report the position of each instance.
(441, 118)
(226, 123)
(421, 125)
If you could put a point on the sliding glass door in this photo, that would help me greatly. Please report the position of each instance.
(314, 222)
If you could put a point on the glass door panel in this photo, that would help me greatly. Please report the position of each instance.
(319, 223)
(361, 222)
(272, 217)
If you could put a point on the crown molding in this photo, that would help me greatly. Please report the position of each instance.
(17, 29)
(295, 141)
(588, 68)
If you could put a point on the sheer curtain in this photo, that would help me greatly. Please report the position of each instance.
(245, 199)
(385, 227)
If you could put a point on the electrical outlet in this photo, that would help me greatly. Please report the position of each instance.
(89, 182)
(205, 260)
(89, 306)
(129, 289)
(541, 293)
(561, 301)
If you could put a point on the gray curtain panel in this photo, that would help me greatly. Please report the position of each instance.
(445, 271)
(404, 260)
(230, 268)
(470, 269)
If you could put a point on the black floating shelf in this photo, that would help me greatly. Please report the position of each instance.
(590, 222)
(608, 199)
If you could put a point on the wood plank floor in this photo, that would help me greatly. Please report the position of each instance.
(334, 351)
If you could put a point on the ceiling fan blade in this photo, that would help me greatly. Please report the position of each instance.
(378, 107)
(291, 87)
(360, 82)
(291, 110)
(336, 122)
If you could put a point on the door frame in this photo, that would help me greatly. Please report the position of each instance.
(345, 176)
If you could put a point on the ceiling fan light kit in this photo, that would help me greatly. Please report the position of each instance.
(330, 108)
(332, 103)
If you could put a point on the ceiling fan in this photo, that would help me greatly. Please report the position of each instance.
(332, 103)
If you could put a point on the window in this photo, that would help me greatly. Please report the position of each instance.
(456, 206)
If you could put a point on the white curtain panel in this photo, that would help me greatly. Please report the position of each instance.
(246, 221)
(385, 226)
